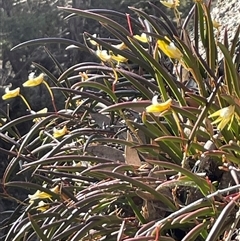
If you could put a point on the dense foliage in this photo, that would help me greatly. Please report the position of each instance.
(146, 146)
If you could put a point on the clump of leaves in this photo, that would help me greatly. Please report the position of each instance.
(117, 163)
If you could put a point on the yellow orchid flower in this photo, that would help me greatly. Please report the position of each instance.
(9, 94)
(43, 195)
(225, 115)
(44, 110)
(169, 49)
(93, 42)
(143, 38)
(34, 81)
(42, 206)
(119, 58)
(216, 24)
(39, 195)
(171, 3)
(14, 93)
(120, 46)
(158, 108)
(59, 132)
(103, 55)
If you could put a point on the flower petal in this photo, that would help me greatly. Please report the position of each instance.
(143, 38)
(11, 93)
(169, 49)
(171, 3)
(158, 107)
(225, 115)
(59, 132)
(44, 110)
(119, 58)
(35, 81)
(103, 55)
(42, 206)
(217, 113)
(222, 124)
(39, 195)
(120, 46)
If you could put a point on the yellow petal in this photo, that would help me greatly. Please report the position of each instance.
(169, 49)
(39, 195)
(93, 42)
(224, 112)
(35, 81)
(219, 119)
(11, 93)
(171, 3)
(103, 55)
(225, 116)
(42, 206)
(55, 189)
(60, 132)
(217, 113)
(119, 58)
(120, 46)
(44, 110)
(158, 107)
(143, 38)
(222, 124)
(216, 24)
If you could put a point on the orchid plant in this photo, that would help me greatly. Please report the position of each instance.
(153, 125)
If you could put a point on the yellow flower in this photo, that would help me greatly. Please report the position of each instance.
(120, 46)
(59, 132)
(171, 3)
(216, 24)
(225, 115)
(42, 206)
(143, 38)
(44, 110)
(157, 107)
(42, 195)
(119, 58)
(34, 81)
(169, 49)
(11, 93)
(103, 55)
(93, 42)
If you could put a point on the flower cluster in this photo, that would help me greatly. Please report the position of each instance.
(108, 56)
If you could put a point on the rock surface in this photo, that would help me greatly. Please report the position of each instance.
(227, 13)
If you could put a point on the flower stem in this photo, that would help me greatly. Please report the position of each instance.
(25, 101)
(51, 94)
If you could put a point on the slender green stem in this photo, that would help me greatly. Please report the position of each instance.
(25, 101)
(51, 94)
